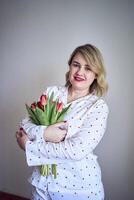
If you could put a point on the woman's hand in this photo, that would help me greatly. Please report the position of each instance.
(56, 132)
(22, 138)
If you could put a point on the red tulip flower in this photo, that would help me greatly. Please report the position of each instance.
(39, 104)
(59, 106)
(43, 99)
(33, 106)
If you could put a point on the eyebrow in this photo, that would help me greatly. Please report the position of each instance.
(76, 62)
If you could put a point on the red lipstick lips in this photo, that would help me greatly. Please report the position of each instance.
(78, 78)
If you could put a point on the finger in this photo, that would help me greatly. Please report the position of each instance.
(63, 127)
(17, 135)
(63, 131)
(63, 139)
(60, 123)
(23, 133)
(22, 130)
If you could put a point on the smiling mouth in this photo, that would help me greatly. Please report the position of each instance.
(77, 78)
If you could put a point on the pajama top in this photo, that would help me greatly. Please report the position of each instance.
(78, 172)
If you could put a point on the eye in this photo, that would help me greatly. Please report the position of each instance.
(88, 69)
(75, 65)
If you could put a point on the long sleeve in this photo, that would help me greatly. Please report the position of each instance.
(33, 131)
(75, 148)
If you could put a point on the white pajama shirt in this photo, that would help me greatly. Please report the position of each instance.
(78, 172)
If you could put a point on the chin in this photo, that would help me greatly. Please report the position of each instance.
(78, 86)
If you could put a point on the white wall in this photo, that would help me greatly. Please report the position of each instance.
(36, 39)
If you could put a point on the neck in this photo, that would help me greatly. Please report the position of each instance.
(75, 93)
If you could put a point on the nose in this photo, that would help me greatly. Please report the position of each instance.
(80, 71)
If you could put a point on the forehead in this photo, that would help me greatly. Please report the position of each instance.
(79, 58)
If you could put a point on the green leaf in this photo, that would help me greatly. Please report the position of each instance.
(51, 96)
(63, 113)
(66, 109)
(41, 116)
(51, 109)
(49, 104)
(52, 116)
(60, 119)
(32, 115)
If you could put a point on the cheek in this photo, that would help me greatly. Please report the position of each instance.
(71, 73)
(91, 78)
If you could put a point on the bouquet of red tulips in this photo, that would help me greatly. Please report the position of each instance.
(47, 111)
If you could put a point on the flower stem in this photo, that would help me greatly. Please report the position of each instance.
(54, 170)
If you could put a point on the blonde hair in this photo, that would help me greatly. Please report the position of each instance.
(94, 58)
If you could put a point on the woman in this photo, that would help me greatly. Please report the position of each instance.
(71, 148)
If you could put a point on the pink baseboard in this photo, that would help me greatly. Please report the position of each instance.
(6, 196)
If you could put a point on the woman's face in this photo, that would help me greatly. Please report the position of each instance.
(80, 76)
